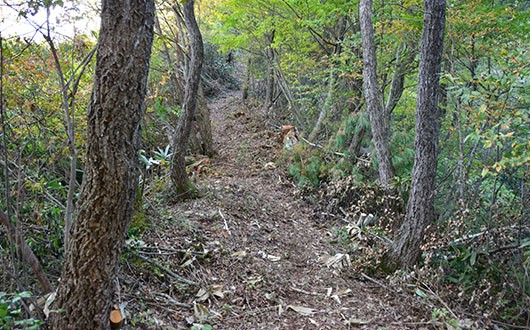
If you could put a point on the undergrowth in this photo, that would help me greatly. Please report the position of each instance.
(467, 273)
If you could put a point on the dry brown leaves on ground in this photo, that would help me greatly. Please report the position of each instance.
(248, 253)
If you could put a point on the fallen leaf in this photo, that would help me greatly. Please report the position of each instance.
(239, 254)
(344, 292)
(188, 263)
(202, 295)
(201, 312)
(48, 303)
(338, 261)
(355, 322)
(270, 257)
(269, 165)
(306, 311)
(217, 290)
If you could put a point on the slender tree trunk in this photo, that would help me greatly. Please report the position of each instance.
(29, 257)
(69, 123)
(269, 83)
(246, 82)
(403, 60)
(323, 115)
(405, 250)
(85, 292)
(378, 117)
(182, 184)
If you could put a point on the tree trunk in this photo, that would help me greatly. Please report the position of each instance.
(200, 141)
(182, 184)
(204, 125)
(326, 107)
(405, 250)
(85, 292)
(397, 86)
(269, 83)
(246, 82)
(378, 117)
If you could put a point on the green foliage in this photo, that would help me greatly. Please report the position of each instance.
(310, 166)
(11, 312)
(218, 70)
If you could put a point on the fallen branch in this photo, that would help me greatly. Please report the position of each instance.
(168, 271)
(485, 232)
(27, 253)
(336, 153)
(172, 300)
(226, 224)
(306, 292)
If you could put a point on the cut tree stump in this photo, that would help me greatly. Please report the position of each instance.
(116, 319)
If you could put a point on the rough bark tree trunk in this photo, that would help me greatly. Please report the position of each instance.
(85, 292)
(182, 184)
(405, 250)
(203, 125)
(378, 117)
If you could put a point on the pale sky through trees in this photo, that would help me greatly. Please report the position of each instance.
(74, 18)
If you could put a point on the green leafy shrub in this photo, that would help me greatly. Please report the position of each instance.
(218, 70)
(11, 316)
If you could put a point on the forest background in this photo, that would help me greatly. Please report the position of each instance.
(302, 62)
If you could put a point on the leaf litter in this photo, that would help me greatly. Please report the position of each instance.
(253, 246)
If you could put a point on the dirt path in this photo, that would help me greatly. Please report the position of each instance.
(252, 248)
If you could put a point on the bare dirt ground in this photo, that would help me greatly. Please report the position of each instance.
(247, 254)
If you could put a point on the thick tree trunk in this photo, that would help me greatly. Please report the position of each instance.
(182, 184)
(204, 125)
(85, 292)
(201, 141)
(378, 117)
(405, 251)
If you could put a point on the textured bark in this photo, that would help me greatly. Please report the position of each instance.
(201, 141)
(182, 185)
(110, 181)
(204, 126)
(378, 117)
(405, 251)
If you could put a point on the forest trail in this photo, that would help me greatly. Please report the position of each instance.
(251, 246)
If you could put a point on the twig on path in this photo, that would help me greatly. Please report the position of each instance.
(440, 300)
(306, 292)
(171, 300)
(378, 283)
(168, 271)
(226, 224)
